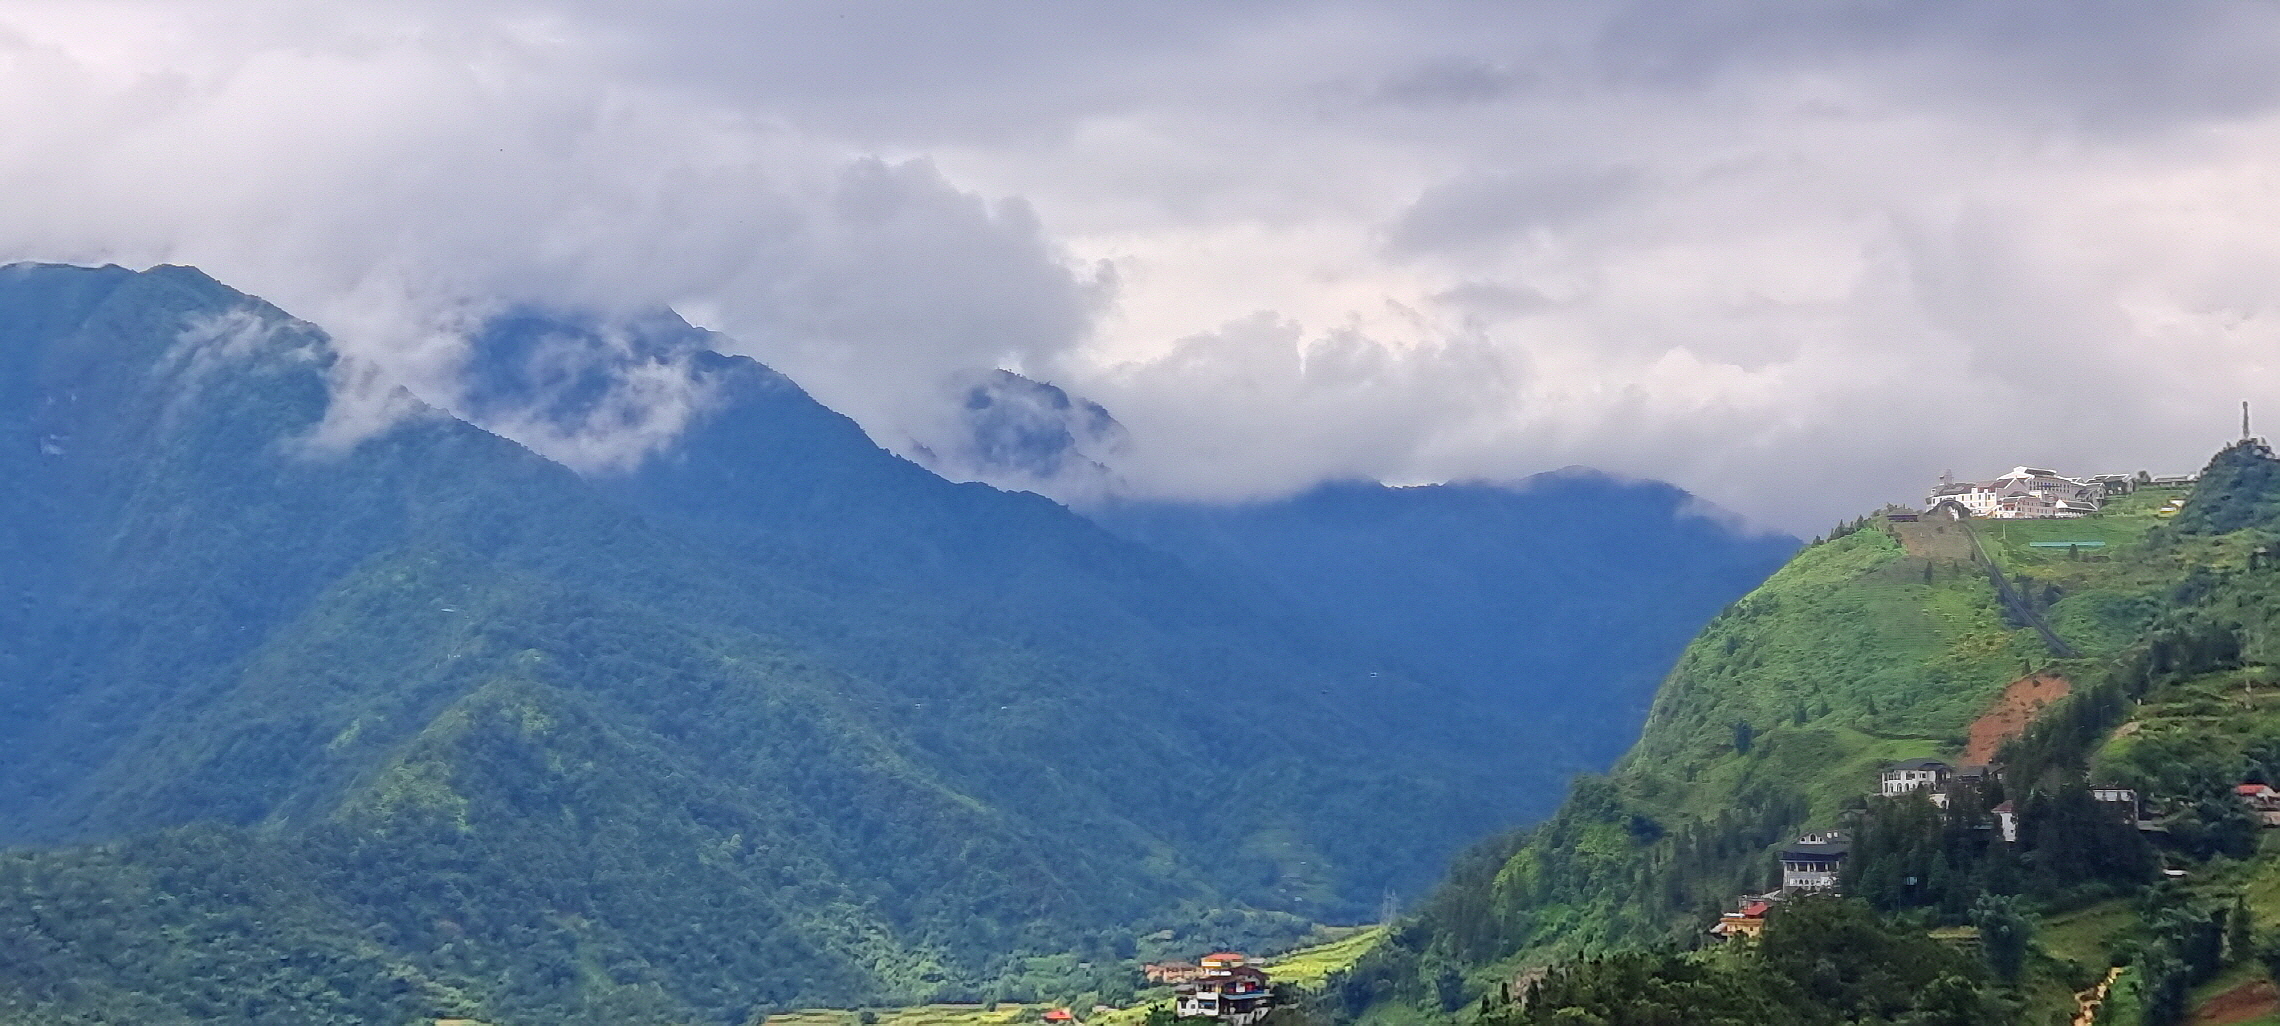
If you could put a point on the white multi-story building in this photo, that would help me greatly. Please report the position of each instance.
(1978, 499)
(2026, 493)
(1912, 775)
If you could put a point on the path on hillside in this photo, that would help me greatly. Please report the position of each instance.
(2018, 605)
(2086, 1003)
(2010, 713)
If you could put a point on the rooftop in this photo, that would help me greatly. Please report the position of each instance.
(1917, 764)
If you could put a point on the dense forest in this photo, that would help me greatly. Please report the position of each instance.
(304, 719)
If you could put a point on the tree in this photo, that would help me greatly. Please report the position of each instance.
(2004, 935)
(2268, 953)
(2163, 987)
(1449, 987)
(2240, 931)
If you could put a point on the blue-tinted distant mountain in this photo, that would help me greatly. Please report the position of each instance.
(1557, 602)
(565, 368)
(1019, 433)
(751, 714)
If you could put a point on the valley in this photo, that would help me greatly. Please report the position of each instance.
(1353, 513)
(773, 726)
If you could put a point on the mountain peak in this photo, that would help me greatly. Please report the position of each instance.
(1019, 433)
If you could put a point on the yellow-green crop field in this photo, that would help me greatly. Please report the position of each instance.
(1305, 967)
(1006, 1014)
(1308, 967)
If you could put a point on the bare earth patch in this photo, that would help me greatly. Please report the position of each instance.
(1934, 538)
(2246, 1003)
(2011, 712)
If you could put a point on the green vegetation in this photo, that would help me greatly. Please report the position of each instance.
(1855, 654)
(430, 728)
(1821, 960)
(1887, 641)
(1002, 1014)
(293, 730)
(2239, 490)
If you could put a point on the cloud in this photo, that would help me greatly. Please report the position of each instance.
(399, 174)
(1796, 259)
(1486, 211)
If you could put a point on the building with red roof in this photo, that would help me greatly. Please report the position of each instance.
(1228, 988)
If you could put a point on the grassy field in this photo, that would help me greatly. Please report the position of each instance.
(1855, 654)
(2083, 935)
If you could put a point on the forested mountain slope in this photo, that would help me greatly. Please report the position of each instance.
(1887, 642)
(1561, 598)
(300, 731)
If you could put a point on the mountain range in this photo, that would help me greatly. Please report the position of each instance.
(306, 724)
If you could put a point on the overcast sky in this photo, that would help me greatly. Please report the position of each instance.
(1798, 258)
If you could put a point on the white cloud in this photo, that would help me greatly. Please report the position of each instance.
(1799, 260)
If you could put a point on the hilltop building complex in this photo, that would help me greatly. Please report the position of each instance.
(2030, 493)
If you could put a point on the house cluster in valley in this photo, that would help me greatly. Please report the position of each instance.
(1813, 862)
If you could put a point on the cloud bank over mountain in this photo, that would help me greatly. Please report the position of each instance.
(1794, 260)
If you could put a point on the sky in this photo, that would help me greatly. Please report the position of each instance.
(1799, 259)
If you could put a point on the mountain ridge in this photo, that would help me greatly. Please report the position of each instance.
(774, 717)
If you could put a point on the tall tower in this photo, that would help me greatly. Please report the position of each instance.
(2244, 435)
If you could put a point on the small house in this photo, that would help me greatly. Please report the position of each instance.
(2263, 802)
(1912, 775)
(1746, 921)
(2007, 822)
(2122, 800)
(1810, 863)
(1169, 972)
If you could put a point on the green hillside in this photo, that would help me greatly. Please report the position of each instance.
(1888, 641)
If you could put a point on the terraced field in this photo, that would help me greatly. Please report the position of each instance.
(1003, 1014)
(1309, 966)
